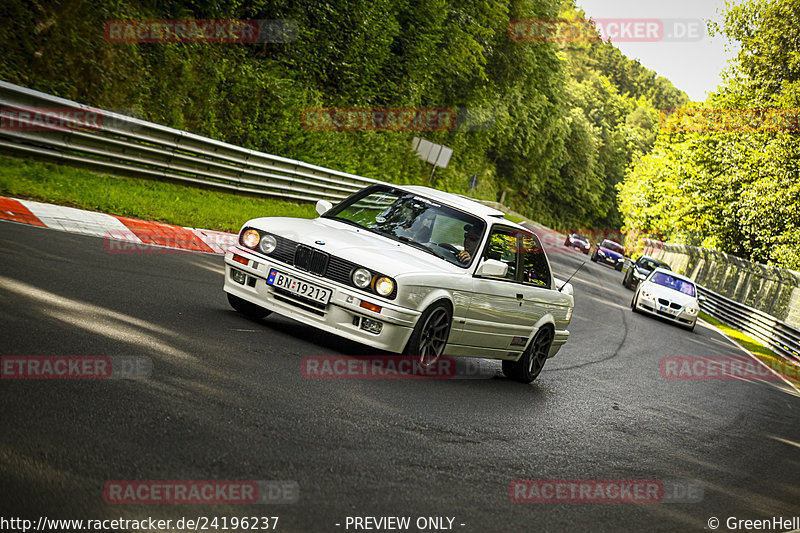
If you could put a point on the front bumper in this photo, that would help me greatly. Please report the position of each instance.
(608, 260)
(651, 306)
(342, 315)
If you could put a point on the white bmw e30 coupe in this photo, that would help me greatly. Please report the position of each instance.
(411, 270)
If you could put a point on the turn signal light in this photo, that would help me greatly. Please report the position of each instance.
(371, 306)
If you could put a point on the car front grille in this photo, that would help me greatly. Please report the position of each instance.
(318, 262)
(311, 259)
(673, 305)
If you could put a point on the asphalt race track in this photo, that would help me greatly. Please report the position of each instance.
(226, 401)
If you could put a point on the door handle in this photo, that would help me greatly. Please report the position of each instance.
(519, 296)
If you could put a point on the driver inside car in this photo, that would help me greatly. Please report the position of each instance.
(472, 237)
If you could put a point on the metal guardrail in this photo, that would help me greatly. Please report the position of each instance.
(124, 145)
(779, 336)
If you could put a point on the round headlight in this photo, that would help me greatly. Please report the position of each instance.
(384, 286)
(362, 277)
(267, 244)
(250, 238)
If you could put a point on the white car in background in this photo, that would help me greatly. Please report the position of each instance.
(407, 269)
(668, 295)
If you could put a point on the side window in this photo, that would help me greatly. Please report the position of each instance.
(502, 246)
(534, 263)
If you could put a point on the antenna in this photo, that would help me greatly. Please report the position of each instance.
(572, 276)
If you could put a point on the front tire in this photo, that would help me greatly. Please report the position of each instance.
(246, 308)
(530, 364)
(430, 335)
(594, 257)
(634, 302)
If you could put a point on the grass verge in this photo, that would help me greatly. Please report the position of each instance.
(146, 199)
(770, 358)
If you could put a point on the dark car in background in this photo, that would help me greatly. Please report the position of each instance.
(639, 270)
(578, 241)
(610, 253)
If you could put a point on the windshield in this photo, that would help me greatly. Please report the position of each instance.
(415, 220)
(580, 238)
(677, 284)
(648, 264)
(611, 245)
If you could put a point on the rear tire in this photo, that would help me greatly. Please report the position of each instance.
(530, 364)
(246, 308)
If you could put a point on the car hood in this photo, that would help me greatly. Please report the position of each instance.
(357, 245)
(659, 291)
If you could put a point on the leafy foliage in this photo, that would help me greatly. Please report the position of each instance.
(736, 189)
(552, 126)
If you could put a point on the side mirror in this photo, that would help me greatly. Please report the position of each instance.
(492, 268)
(323, 206)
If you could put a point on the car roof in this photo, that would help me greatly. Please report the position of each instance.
(478, 209)
(673, 274)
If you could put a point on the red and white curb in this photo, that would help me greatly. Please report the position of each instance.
(120, 233)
